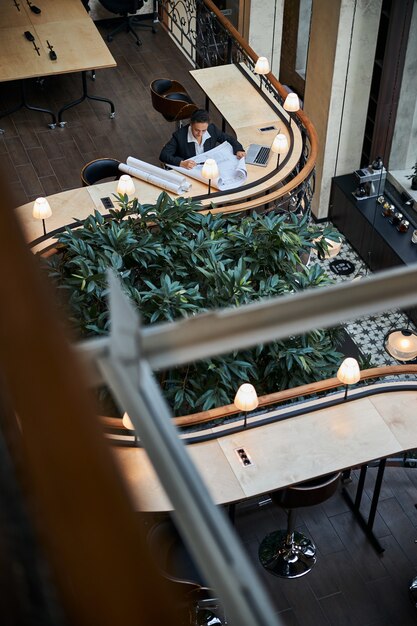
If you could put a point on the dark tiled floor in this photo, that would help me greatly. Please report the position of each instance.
(350, 584)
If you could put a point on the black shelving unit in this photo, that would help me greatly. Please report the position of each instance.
(372, 235)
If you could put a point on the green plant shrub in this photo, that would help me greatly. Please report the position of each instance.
(174, 262)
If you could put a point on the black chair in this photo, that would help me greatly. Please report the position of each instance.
(99, 169)
(171, 99)
(123, 8)
(287, 553)
(195, 605)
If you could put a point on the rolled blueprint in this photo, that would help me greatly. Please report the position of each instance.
(159, 180)
(177, 179)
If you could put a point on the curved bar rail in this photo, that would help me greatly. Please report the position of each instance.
(303, 404)
(319, 387)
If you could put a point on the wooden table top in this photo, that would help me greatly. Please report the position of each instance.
(78, 204)
(233, 95)
(286, 452)
(68, 28)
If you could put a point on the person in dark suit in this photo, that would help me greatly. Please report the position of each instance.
(195, 138)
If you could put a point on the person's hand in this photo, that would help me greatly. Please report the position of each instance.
(240, 154)
(188, 164)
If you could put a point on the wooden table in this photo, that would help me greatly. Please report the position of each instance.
(286, 452)
(78, 204)
(67, 27)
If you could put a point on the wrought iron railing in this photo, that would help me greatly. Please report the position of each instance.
(209, 39)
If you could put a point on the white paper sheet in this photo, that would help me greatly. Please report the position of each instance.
(232, 170)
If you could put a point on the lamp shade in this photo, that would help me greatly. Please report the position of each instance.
(280, 144)
(401, 344)
(210, 169)
(125, 185)
(41, 209)
(349, 372)
(246, 398)
(292, 102)
(127, 422)
(333, 248)
(262, 66)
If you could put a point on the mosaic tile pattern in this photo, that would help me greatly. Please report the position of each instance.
(367, 332)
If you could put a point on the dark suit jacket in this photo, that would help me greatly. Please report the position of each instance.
(178, 149)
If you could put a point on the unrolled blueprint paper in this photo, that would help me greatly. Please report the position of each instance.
(232, 171)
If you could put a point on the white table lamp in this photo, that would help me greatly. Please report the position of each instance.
(292, 104)
(334, 248)
(280, 146)
(210, 171)
(41, 211)
(401, 344)
(127, 423)
(125, 185)
(349, 373)
(262, 67)
(246, 399)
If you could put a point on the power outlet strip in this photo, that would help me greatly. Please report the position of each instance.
(243, 457)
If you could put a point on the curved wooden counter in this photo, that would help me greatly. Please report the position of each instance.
(288, 451)
(247, 109)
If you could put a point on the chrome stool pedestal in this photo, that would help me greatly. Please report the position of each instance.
(287, 553)
(412, 590)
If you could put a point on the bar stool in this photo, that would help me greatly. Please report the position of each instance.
(287, 553)
(196, 604)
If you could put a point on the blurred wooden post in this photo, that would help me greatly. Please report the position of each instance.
(91, 537)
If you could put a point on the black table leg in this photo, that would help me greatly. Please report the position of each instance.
(155, 15)
(23, 103)
(232, 512)
(84, 96)
(367, 524)
(377, 491)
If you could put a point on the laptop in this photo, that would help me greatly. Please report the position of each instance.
(257, 155)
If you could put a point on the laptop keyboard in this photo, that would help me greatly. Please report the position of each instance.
(262, 156)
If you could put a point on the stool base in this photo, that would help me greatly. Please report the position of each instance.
(287, 561)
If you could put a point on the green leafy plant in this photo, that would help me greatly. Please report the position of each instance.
(175, 261)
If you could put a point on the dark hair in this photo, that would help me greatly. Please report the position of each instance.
(200, 116)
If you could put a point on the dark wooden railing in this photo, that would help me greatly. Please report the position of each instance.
(289, 401)
(320, 387)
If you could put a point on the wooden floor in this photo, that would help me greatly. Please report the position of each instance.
(350, 585)
(38, 161)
